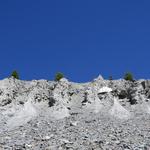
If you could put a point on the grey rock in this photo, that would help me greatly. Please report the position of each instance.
(50, 115)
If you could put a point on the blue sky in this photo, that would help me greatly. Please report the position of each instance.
(81, 38)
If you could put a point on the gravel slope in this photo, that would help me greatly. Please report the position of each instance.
(99, 115)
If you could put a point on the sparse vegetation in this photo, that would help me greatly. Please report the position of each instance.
(128, 76)
(51, 102)
(15, 74)
(58, 76)
(110, 78)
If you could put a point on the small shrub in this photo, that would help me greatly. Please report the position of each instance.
(51, 102)
(58, 76)
(110, 78)
(15, 75)
(128, 76)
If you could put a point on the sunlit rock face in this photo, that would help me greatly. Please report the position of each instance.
(101, 114)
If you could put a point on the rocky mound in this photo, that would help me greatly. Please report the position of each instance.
(102, 114)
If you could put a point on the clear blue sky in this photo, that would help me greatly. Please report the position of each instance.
(81, 38)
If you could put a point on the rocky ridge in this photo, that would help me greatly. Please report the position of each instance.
(49, 115)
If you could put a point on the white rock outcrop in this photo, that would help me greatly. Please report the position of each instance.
(101, 114)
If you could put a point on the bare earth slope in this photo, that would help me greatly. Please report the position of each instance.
(99, 115)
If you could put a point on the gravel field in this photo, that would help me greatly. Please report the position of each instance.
(98, 115)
